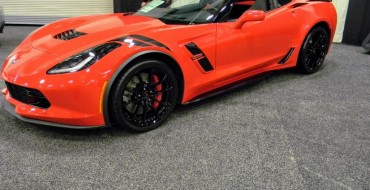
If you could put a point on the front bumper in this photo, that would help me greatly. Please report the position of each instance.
(11, 109)
(75, 99)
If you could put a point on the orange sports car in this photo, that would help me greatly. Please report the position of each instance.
(130, 70)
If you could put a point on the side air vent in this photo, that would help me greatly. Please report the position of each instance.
(287, 56)
(199, 56)
(28, 95)
(69, 34)
(298, 5)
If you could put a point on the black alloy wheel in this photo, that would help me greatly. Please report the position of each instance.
(144, 96)
(314, 50)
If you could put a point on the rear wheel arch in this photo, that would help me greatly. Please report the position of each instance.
(306, 31)
(314, 48)
(325, 25)
(147, 55)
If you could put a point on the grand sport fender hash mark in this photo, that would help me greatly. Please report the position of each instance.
(142, 41)
(150, 40)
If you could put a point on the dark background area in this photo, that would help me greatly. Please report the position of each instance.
(357, 22)
(126, 5)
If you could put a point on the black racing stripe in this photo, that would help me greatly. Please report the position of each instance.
(198, 54)
(150, 40)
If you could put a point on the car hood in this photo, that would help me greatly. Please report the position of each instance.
(78, 34)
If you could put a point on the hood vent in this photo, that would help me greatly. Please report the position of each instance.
(69, 35)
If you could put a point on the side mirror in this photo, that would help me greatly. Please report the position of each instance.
(252, 15)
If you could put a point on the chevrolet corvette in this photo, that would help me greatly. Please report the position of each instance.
(131, 69)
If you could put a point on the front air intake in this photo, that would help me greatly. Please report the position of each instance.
(69, 35)
(28, 95)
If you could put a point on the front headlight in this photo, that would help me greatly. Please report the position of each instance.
(84, 59)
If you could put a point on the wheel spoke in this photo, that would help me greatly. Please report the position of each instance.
(138, 75)
(136, 109)
(310, 52)
(321, 47)
(321, 40)
(151, 76)
(130, 102)
(309, 62)
(161, 81)
(154, 110)
(144, 113)
(129, 90)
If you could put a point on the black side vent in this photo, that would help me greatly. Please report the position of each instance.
(69, 34)
(287, 56)
(27, 95)
(193, 48)
(199, 56)
(298, 5)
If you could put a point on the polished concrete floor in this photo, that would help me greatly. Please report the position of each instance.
(286, 131)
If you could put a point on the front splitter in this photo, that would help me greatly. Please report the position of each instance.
(11, 109)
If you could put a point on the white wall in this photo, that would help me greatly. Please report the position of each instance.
(45, 11)
(341, 7)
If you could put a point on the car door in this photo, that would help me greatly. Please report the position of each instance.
(256, 46)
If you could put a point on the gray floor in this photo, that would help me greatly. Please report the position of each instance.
(287, 131)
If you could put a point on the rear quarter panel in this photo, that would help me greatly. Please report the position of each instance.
(313, 13)
(310, 13)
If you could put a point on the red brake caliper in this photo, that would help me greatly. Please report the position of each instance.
(157, 88)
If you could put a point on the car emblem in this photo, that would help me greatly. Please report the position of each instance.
(14, 59)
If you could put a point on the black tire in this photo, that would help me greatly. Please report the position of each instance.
(143, 96)
(313, 50)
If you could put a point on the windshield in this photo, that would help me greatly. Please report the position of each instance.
(183, 11)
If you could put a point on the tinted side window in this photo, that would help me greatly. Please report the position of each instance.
(283, 2)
